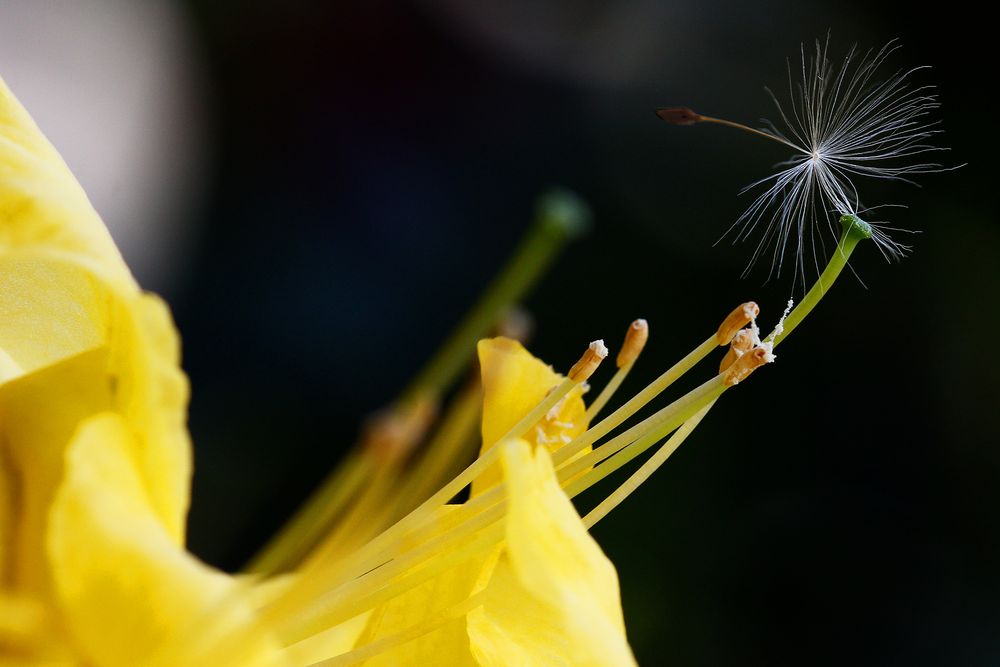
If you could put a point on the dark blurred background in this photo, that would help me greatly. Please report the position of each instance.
(322, 189)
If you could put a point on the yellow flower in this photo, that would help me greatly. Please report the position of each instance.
(382, 567)
(96, 463)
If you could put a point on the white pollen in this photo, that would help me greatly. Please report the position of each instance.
(754, 331)
(598, 348)
(779, 328)
(769, 356)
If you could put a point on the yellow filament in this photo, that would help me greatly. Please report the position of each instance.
(407, 560)
(340, 609)
(415, 548)
(646, 470)
(636, 403)
(362, 522)
(666, 419)
(609, 390)
(455, 442)
(478, 514)
(362, 560)
(323, 576)
(372, 573)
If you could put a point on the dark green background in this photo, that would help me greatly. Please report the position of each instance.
(377, 162)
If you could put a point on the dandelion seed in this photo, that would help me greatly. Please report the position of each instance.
(842, 122)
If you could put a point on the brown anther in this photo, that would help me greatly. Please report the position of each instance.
(746, 365)
(391, 434)
(591, 359)
(742, 341)
(679, 116)
(635, 340)
(735, 321)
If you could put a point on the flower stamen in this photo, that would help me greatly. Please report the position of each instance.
(588, 363)
(747, 364)
(635, 341)
(741, 316)
(646, 470)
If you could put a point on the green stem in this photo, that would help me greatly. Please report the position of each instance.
(855, 229)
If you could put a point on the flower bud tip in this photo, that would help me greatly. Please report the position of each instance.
(563, 213)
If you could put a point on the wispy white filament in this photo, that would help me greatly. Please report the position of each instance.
(844, 123)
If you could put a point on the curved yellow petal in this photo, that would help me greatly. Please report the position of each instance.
(41, 204)
(66, 294)
(514, 382)
(49, 311)
(133, 369)
(29, 636)
(553, 598)
(126, 593)
(151, 393)
(38, 415)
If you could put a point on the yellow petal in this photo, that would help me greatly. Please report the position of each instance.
(151, 393)
(136, 374)
(67, 292)
(553, 599)
(41, 205)
(128, 595)
(49, 310)
(38, 415)
(29, 635)
(514, 382)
